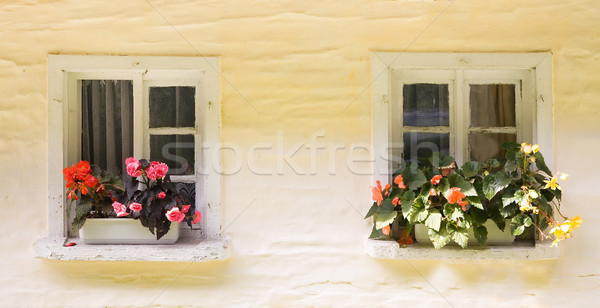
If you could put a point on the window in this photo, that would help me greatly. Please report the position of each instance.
(463, 104)
(105, 109)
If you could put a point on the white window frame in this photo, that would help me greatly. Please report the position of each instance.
(535, 70)
(64, 71)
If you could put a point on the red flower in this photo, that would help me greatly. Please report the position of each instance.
(386, 230)
(436, 179)
(175, 215)
(377, 193)
(432, 192)
(136, 207)
(91, 181)
(120, 209)
(399, 181)
(161, 195)
(185, 208)
(454, 195)
(69, 175)
(133, 167)
(157, 170)
(82, 169)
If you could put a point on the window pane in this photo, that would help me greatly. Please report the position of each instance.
(492, 105)
(421, 145)
(172, 106)
(177, 151)
(107, 123)
(425, 104)
(484, 146)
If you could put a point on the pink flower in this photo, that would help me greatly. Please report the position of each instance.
(436, 179)
(120, 209)
(185, 208)
(175, 215)
(134, 168)
(136, 207)
(161, 195)
(197, 217)
(157, 170)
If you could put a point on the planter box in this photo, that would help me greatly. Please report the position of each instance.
(495, 236)
(123, 231)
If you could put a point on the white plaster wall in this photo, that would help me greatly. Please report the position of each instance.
(295, 69)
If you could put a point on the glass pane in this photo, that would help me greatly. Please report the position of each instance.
(172, 106)
(484, 146)
(177, 151)
(418, 146)
(107, 123)
(425, 104)
(492, 105)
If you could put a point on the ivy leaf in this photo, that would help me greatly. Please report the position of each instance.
(459, 235)
(471, 169)
(480, 233)
(372, 210)
(385, 215)
(439, 238)
(455, 180)
(413, 177)
(519, 223)
(434, 220)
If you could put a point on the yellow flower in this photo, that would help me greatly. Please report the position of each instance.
(533, 194)
(551, 184)
(535, 148)
(564, 176)
(526, 148)
(574, 223)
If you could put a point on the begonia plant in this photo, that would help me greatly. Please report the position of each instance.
(450, 201)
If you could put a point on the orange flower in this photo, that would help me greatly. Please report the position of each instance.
(386, 230)
(463, 205)
(377, 193)
(436, 179)
(432, 192)
(454, 195)
(396, 201)
(399, 181)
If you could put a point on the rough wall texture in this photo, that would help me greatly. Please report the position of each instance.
(297, 70)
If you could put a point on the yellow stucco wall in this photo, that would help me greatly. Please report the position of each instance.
(292, 68)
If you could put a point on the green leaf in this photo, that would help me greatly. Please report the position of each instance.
(434, 220)
(519, 223)
(455, 180)
(510, 195)
(83, 208)
(374, 208)
(475, 202)
(541, 163)
(492, 184)
(440, 159)
(453, 212)
(459, 235)
(77, 224)
(493, 163)
(443, 186)
(413, 177)
(478, 216)
(509, 210)
(425, 189)
(386, 214)
(419, 212)
(408, 199)
(471, 168)
(494, 214)
(480, 233)
(439, 238)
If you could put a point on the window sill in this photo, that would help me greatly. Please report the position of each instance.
(186, 249)
(380, 249)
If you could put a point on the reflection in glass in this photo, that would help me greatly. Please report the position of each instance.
(107, 123)
(484, 146)
(418, 146)
(172, 106)
(425, 104)
(492, 105)
(177, 151)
